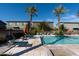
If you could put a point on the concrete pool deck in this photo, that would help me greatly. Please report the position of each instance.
(35, 50)
(5, 48)
(64, 50)
(40, 51)
(45, 50)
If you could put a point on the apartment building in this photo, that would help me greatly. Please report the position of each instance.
(21, 24)
(16, 24)
(71, 27)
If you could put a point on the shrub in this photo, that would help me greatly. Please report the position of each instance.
(59, 33)
(18, 35)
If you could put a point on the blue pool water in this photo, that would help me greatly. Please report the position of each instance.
(60, 40)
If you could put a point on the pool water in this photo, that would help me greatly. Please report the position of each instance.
(60, 40)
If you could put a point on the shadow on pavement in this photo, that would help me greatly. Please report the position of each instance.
(26, 50)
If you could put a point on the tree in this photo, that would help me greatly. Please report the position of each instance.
(62, 29)
(43, 26)
(32, 11)
(77, 13)
(34, 30)
(58, 11)
(26, 28)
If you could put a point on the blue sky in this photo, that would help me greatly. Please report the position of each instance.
(16, 11)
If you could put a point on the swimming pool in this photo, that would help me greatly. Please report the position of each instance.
(60, 40)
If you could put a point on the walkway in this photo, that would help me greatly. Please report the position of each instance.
(35, 50)
(4, 48)
(64, 50)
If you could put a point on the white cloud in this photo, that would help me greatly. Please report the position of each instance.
(49, 20)
(70, 18)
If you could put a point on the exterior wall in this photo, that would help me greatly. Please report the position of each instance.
(35, 24)
(71, 26)
(51, 25)
(11, 25)
(21, 25)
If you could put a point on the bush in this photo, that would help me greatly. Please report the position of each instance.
(59, 33)
(3, 41)
(18, 35)
(2, 37)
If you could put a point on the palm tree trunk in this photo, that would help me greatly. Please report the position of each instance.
(30, 22)
(58, 23)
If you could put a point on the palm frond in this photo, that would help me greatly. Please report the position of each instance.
(31, 10)
(77, 13)
(59, 10)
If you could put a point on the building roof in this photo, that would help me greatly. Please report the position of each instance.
(16, 21)
(1, 23)
(70, 22)
(28, 21)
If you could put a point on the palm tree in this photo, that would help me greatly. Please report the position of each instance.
(58, 11)
(31, 11)
(77, 13)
